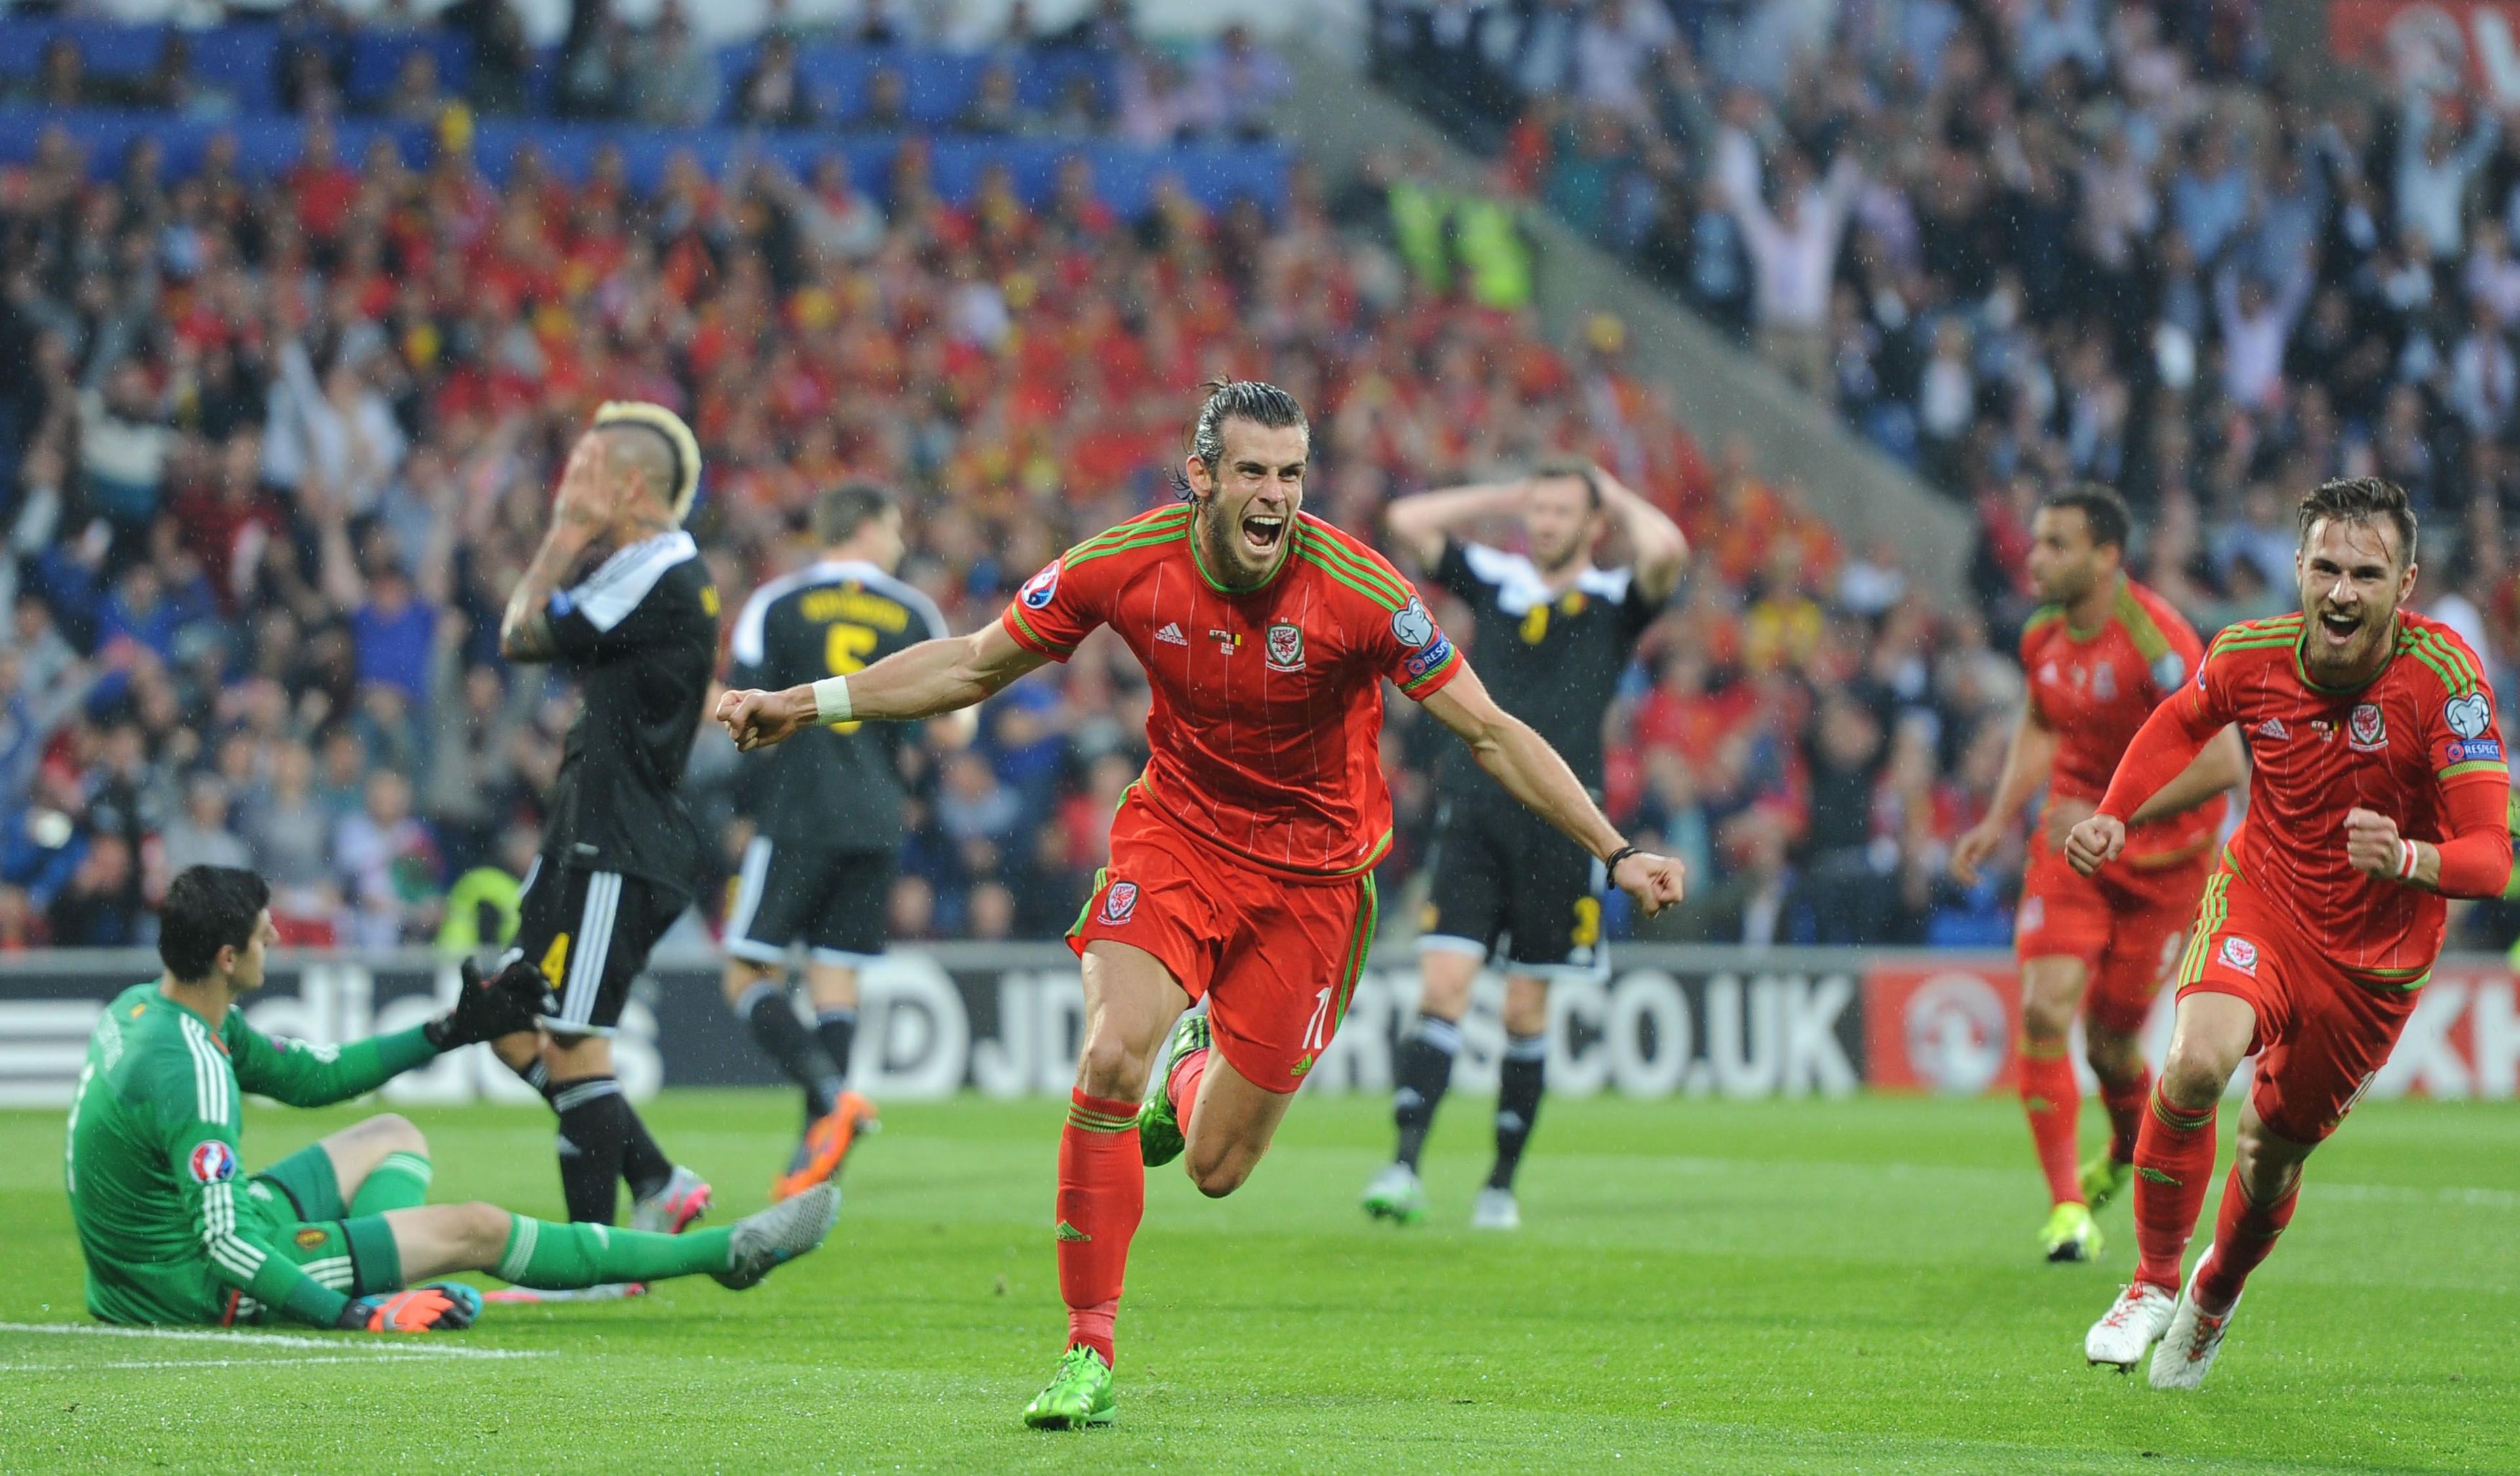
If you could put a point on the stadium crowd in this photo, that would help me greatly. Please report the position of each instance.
(273, 450)
(2020, 243)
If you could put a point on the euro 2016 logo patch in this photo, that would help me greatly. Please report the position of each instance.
(2468, 715)
(213, 1162)
(2366, 730)
(1285, 647)
(2242, 954)
(1412, 624)
(1119, 900)
(1041, 588)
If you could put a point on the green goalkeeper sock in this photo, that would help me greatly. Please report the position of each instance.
(401, 1182)
(558, 1256)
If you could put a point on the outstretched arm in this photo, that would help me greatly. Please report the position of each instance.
(1421, 522)
(1533, 772)
(930, 678)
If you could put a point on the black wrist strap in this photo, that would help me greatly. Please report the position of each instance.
(1610, 868)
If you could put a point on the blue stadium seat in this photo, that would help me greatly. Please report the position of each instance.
(1125, 175)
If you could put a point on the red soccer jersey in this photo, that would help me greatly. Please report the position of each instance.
(2394, 745)
(1267, 717)
(2094, 689)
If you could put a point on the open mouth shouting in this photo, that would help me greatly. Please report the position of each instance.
(2337, 629)
(1263, 533)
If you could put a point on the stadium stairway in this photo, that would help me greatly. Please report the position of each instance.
(1337, 119)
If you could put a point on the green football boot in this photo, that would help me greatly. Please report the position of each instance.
(2070, 1235)
(1159, 1129)
(1079, 1394)
(2104, 1179)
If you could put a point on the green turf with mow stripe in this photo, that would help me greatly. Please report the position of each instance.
(1699, 1286)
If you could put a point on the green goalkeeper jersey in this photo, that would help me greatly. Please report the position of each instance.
(172, 1229)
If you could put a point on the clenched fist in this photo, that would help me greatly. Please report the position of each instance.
(2094, 843)
(1654, 881)
(757, 719)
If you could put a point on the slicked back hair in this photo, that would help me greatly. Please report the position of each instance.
(839, 513)
(2104, 513)
(207, 908)
(2367, 500)
(1577, 468)
(1262, 404)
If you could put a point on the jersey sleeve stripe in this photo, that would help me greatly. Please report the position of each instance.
(1334, 551)
(2475, 767)
(211, 1075)
(1025, 635)
(2458, 672)
(2150, 643)
(1166, 521)
(1083, 554)
(1343, 575)
(2433, 662)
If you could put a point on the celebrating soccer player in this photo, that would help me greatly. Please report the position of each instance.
(804, 876)
(1556, 632)
(2380, 788)
(1241, 861)
(336, 1234)
(2099, 656)
(620, 849)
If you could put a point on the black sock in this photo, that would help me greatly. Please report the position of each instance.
(644, 1165)
(591, 1110)
(776, 1030)
(837, 1030)
(1518, 1083)
(1424, 1069)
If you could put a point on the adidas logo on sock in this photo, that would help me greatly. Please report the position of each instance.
(1171, 634)
(1067, 1232)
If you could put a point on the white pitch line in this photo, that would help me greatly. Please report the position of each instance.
(271, 1340)
(210, 1363)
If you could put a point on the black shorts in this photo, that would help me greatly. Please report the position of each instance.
(591, 931)
(1507, 881)
(833, 900)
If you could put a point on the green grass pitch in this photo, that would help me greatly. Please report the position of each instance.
(1767, 1286)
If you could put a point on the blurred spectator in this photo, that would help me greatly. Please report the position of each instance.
(773, 93)
(673, 81)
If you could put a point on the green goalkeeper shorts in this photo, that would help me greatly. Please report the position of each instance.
(311, 1226)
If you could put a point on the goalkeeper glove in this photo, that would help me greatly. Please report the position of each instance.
(422, 1309)
(505, 1004)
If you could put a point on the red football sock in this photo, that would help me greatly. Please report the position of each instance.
(1182, 1087)
(2125, 1104)
(1101, 1196)
(2244, 1235)
(2054, 1102)
(2173, 1158)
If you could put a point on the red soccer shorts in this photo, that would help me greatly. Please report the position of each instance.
(2127, 925)
(1276, 959)
(2322, 1034)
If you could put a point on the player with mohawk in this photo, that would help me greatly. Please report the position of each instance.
(620, 853)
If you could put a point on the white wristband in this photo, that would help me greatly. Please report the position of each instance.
(831, 701)
(2406, 861)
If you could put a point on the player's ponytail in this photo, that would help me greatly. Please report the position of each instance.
(1260, 403)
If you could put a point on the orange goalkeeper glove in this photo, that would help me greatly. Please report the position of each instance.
(422, 1309)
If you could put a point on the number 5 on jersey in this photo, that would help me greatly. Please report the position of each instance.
(844, 651)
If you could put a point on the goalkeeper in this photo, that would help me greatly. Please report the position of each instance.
(337, 1235)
